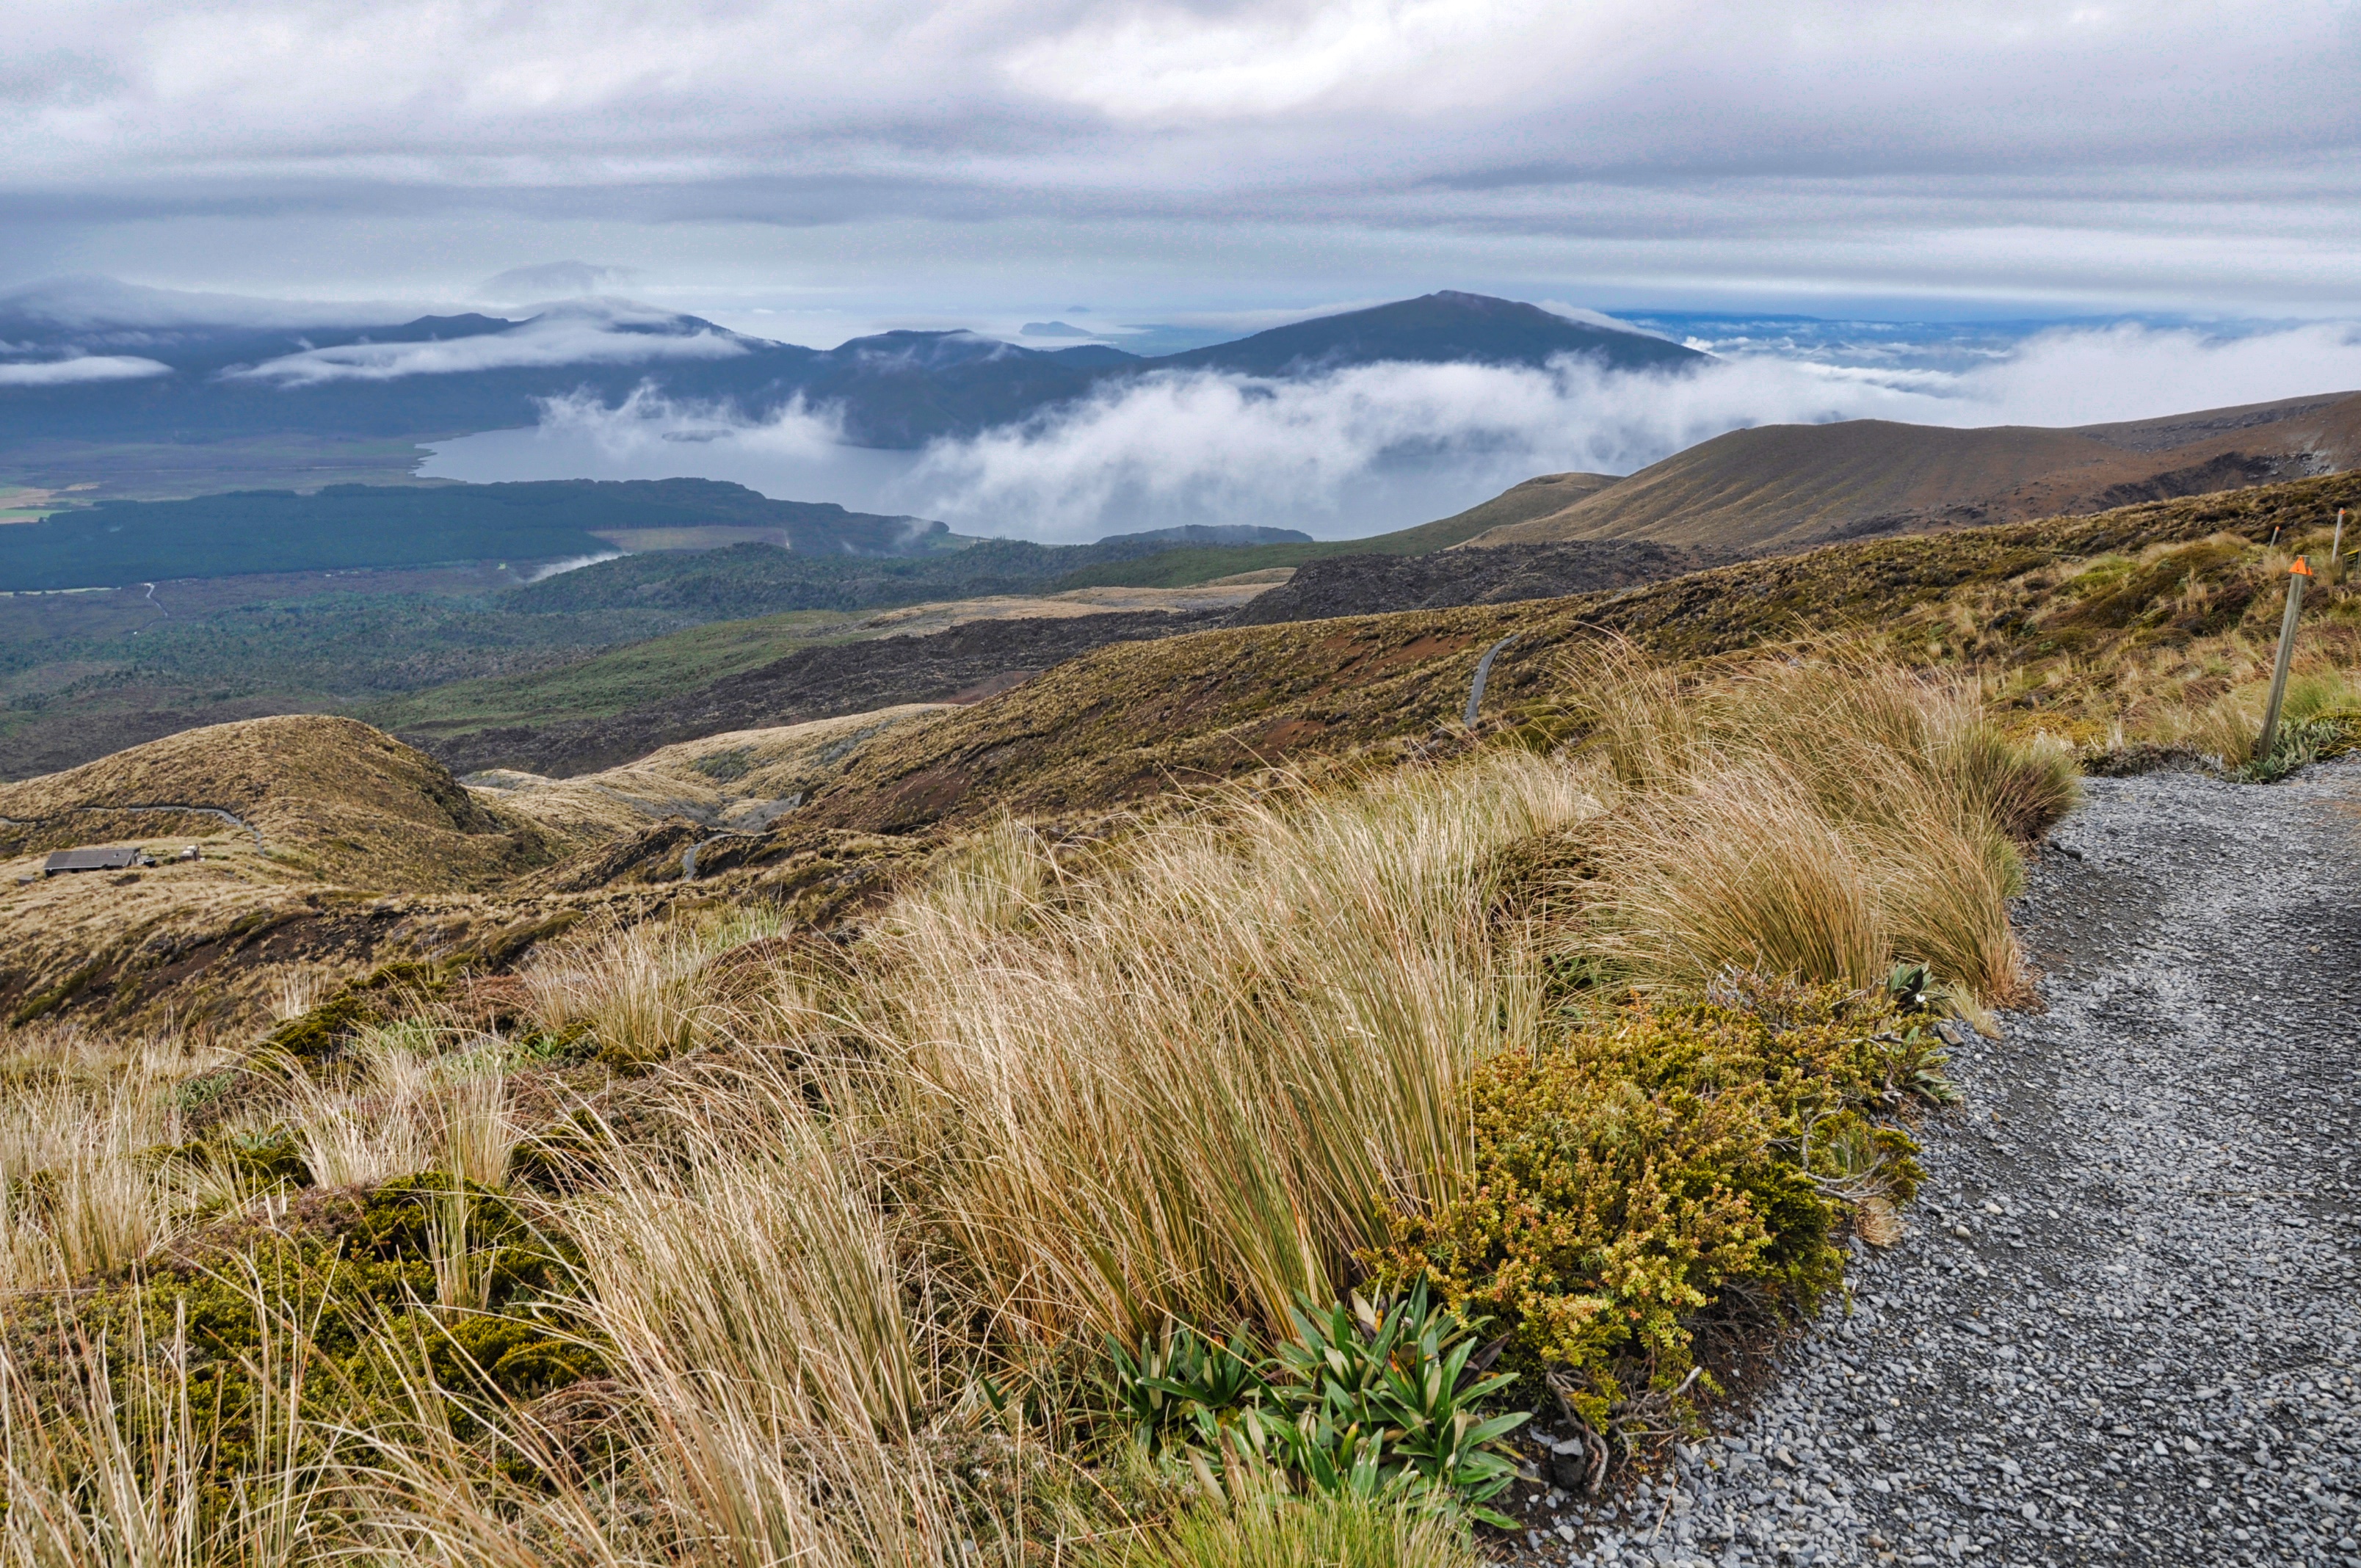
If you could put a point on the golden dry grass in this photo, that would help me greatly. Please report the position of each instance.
(1176, 1083)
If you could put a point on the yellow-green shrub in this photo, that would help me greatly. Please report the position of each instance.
(1622, 1176)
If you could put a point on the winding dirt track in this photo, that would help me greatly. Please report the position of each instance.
(2123, 1326)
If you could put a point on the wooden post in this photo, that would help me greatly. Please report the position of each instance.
(2337, 550)
(2297, 575)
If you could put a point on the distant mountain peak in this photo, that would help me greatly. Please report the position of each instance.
(1444, 327)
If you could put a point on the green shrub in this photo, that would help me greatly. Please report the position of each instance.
(1623, 1178)
(262, 1157)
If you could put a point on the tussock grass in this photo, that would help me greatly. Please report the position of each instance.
(1742, 871)
(756, 1271)
(79, 1192)
(1176, 1086)
(1819, 816)
(636, 991)
(400, 1104)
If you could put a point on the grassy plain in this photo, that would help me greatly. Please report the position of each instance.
(642, 674)
(621, 678)
(83, 471)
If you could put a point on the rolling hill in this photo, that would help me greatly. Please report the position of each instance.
(323, 796)
(1179, 569)
(1787, 486)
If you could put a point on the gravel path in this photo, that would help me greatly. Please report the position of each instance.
(2124, 1326)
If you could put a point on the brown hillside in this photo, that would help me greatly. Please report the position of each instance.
(1130, 721)
(1787, 486)
(1541, 497)
(369, 853)
(2072, 619)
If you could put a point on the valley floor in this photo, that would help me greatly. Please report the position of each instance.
(2124, 1326)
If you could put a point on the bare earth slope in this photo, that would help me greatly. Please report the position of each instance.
(1783, 487)
(2124, 1326)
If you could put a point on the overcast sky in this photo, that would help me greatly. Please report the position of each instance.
(797, 166)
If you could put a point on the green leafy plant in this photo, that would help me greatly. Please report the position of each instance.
(1627, 1176)
(1188, 1382)
(1369, 1401)
(1397, 1387)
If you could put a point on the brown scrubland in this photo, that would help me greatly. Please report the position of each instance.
(1184, 1110)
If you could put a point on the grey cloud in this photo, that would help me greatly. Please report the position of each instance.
(1326, 452)
(84, 301)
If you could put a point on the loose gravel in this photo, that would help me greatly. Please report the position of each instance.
(2123, 1325)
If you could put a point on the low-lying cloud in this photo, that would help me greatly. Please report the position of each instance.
(82, 367)
(1379, 447)
(557, 338)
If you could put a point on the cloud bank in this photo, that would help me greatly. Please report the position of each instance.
(557, 338)
(83, 367)
(1384, 445)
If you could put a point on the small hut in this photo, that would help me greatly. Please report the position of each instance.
(101, 858)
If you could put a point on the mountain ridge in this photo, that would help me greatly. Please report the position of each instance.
(1791, 486)
(896, 389)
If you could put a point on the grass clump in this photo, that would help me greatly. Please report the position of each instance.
(1174, 1084)
(1824, 818)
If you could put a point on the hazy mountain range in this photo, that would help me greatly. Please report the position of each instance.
(87, 360)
